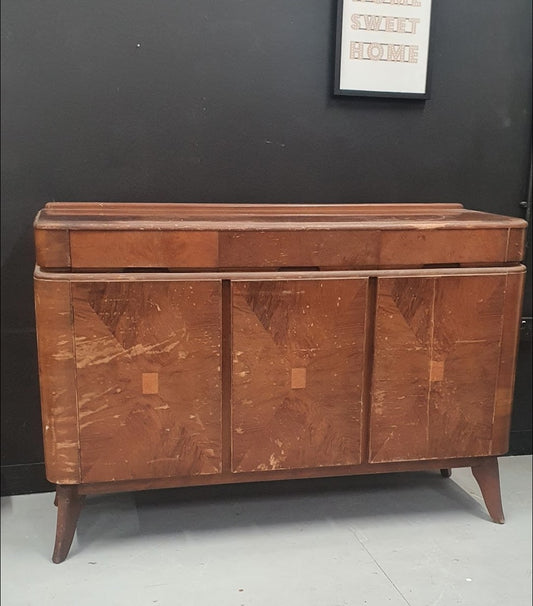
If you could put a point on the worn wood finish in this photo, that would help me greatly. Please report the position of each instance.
(516, 245)
(57, 373)
(100, 249)
(125, 216)
(52, 248)
(297, 373)
(437, 353)
(514, 288)
(252, 276)
(182, 345)
(487, 476)
(69, 503)
(367, 248)
(255, 236)
(148, 379)
(443, 246)
(280, 249)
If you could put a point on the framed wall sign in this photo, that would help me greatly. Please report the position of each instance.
(383, 48)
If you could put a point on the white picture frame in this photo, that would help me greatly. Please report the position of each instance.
(383, 48)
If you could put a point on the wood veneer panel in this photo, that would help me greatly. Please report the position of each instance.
(467, 335)
(297, 373)
(148, 370)
(299, 249)
(57, 377)
(516, 245)
(363, 248)
(102, 249)
(437, 351)
(507, 367)
(403, 326)
(420, 247)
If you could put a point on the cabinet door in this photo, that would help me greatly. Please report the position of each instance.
(297, 373)
(148, 376)
(443, 366)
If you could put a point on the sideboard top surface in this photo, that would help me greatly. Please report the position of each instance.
(265, 217)
(107, 236)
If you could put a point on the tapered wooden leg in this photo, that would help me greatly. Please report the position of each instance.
(446, 473)
(488, 478)
(69, 504)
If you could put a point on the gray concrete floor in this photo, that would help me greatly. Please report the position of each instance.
(411, 538)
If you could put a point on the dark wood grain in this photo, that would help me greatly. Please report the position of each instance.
(69, 503)
(125, 331)
(297, 373)
(487, 475)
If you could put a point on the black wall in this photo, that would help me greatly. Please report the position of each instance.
(231, 101)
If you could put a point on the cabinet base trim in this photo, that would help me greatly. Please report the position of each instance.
(283, 474)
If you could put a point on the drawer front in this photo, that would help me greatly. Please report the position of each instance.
(148, 378)
(297, 373)
(443, 366)
(367, 248)
(122, 249)
(281, 249)
(325, 249)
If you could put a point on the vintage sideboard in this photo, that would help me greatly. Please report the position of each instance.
(184, 344)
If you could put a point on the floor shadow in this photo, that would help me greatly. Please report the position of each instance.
(236, 507)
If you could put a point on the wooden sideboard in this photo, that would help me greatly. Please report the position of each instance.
(184, 344)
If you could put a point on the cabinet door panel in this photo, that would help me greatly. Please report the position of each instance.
(297, 373)
(148, 374)
(438, 366)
